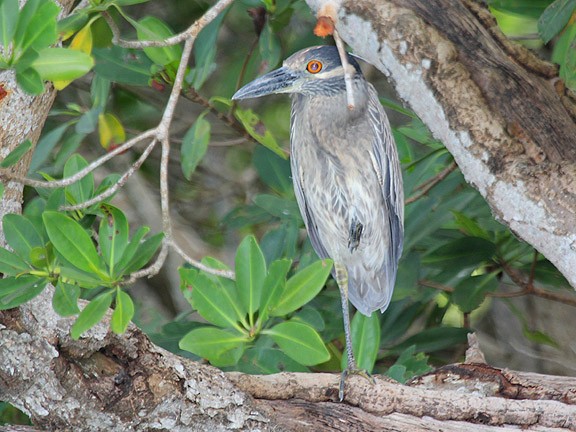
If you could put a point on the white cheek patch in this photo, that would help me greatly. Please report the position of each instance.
(337, 72)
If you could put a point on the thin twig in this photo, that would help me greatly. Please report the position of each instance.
(153, 269)
(537, 292)
(192, 95)
(229, 274)
(83, 172)
(430, 183)
(114, 188)
(348, 70)
(189, 34)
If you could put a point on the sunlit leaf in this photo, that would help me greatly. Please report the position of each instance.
(273, 286)
(258, 130)
(72, 242)
(300, 342)
(62, 64)
(212, 344)
(110, 131)
(123, 312)
(250, 273)
(303, 287)
(152, 28)
(36, 28)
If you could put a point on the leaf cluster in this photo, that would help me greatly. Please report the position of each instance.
(50, 246)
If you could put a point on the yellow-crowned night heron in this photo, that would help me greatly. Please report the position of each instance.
(346, 176)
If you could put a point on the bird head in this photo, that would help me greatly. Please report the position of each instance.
(311, 71)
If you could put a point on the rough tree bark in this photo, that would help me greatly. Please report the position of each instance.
(454, 69)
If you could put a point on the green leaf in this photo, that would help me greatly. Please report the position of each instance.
(205, 52)
(273, 286)
(152, 28)
(132, 247)
(461, 253)
(300, 342)
(11, 264)
(303, 287)
(469, 225)
(555, 18)
(279, 207)
(121, 65)
(45, 146)
(144, 253)
(272, 169)
(123, 312)
(470, 292)
(565, 55)
(433, 339)
(72, 242)
(113, 235)
(250, 273)
(269, 46)
(408, 365)
(365, 340)
(78, 277)
(258, 130)
(65, 299)
(92, 314)
(8, 19)
(539, 337)
(213, 344)
(62, 64)
(17, 290)
(265, 361)
(21, 235)
(194, 146)
(36, 28)
(83, 189)
(30, 81)
(213, 302)
(15, 155)
(69, 25)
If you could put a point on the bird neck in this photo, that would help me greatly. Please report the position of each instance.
(331, 110)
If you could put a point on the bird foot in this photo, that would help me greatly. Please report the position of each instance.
(352, 371)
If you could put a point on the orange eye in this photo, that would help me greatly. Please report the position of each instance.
(314, 66)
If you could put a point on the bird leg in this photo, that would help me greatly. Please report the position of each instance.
(351, 368)
(342, 281)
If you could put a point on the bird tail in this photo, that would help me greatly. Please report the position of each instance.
(369, 291)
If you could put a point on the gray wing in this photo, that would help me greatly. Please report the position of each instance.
(371, 287)
(309, 220)
(387, 166)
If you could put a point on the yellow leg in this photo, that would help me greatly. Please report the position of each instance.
(351, 368)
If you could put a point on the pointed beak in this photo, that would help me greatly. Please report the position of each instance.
(278, 81)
